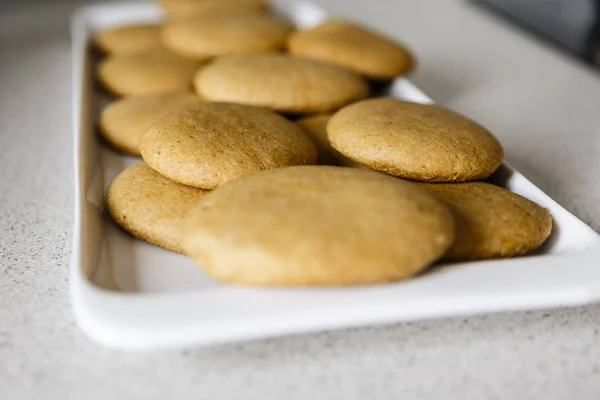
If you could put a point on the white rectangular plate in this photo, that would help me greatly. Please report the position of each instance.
(129, 294)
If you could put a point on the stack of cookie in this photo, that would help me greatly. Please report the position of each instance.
(266, 160)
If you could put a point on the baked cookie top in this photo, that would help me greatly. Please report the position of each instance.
(353, 46)
(208, 144)
(187, 8)
(213, 34)
(150, 206)
(148, 71)
(422, 142)
(317, 225)
(278, 81)
(128, 38)
(491, 222)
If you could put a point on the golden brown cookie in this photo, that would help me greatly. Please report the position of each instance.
(316, 127)
(355, 47)
(187, 8)
(123, 121)
(422, 142)
(128, 38)
(491, 222)
(214, 34)
(208, 144)
(145, 72)
(280, 82)
(150, 206)
(317, 225)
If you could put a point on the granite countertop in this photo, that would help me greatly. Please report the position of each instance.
(544, 108)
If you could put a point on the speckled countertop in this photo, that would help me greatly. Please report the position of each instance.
(544, 107)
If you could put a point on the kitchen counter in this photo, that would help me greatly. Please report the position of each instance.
(544, 107)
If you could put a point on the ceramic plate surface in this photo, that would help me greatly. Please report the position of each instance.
(131, 295)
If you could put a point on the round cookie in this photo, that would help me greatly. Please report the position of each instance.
(187, 8)
(123, 121)
(145, 72)
(491, 222)
(281, 82)
(128, 38)
(316, 127)
(317, 225)
(422, 142)
(150, 206)
(214, 34)
(208, 144)
(355, 47)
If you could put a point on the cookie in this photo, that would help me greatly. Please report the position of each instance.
(281, 82)
(208, 144)
(422, 142)
(316, 127)
(214, 34)
(355, 47)
(187, 8)
(128, 39)
(491, 222)
(122, 121)
(145, 72)
(150, 206)
(317, 225)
